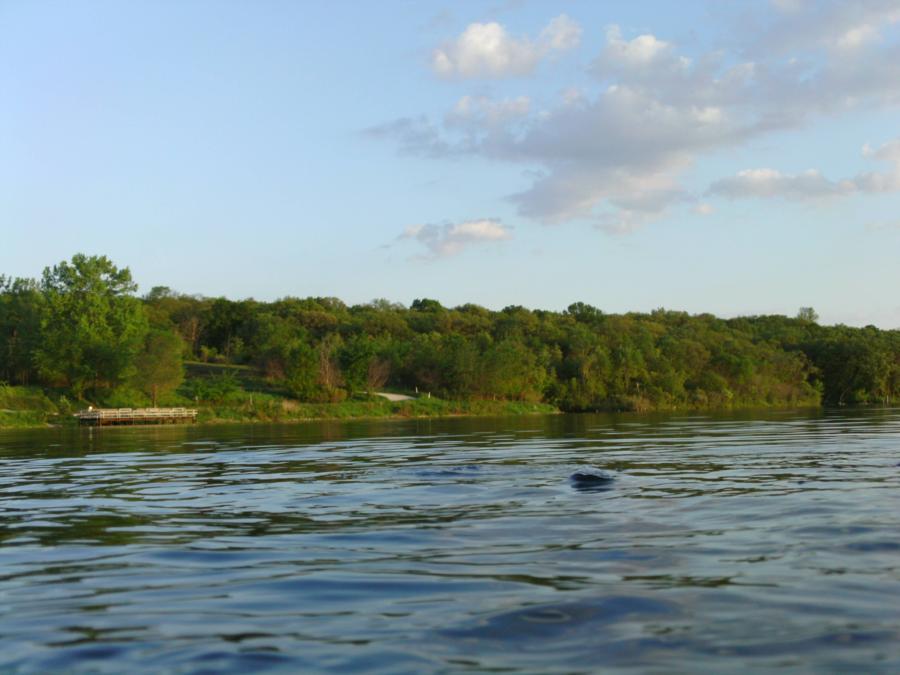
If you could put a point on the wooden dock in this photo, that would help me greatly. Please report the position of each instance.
(102, 417)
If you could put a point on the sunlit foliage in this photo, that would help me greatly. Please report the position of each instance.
(83, 330)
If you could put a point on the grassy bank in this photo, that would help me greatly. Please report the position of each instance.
(24, 407)
(260, 409)
(225, 393)
(31, 407)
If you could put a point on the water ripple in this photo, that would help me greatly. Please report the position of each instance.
(745, 542)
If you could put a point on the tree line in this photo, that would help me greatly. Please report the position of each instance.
(83, 329)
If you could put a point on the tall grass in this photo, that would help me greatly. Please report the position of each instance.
(22, 407)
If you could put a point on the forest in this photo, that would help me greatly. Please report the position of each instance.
(82, 334)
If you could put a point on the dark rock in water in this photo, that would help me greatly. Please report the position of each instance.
(591, 479)
(590, 476)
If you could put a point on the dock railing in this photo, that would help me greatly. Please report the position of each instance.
(120, 416)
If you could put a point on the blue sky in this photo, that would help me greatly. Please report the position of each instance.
(733, 158)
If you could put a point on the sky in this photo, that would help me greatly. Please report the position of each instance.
(734, 158)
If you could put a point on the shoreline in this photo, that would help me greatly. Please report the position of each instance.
(332, 412)
(326, 412)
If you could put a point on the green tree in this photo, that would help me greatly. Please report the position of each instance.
(160, 370)
(330, 377)
(354, 357)
(302, 371)
(807, 314)
(508, 370)
(92, 326)
(20, 328)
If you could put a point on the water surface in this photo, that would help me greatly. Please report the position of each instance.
(726, 543)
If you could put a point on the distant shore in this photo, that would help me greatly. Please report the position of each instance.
(36, 407)
(35, 410)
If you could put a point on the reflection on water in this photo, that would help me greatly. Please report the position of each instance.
(744, 542)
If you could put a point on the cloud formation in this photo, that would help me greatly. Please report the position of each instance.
(887, 181)
(835, 25)
(642, 53)
(483, 111)
(487, 50)
(453, 238)
(414, 136)
(811, 184)
(614, 153)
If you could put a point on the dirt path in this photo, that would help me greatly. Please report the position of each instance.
(394, 397)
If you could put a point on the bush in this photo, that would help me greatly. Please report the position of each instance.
(125, 397)
(214, 389)
(25, 398)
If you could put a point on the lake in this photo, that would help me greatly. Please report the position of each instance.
(745, 542)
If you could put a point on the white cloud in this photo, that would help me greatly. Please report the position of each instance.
(414, 135)
(625, 148)
(488, 50)
(858, 36)
(881, 181)
(561, 34)
(483, 110)
(836, 25)
(613, 158)
(452, 238)
(889, 152)
(613, 154)
(639, 52)
(704, 209)
(811, 184)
